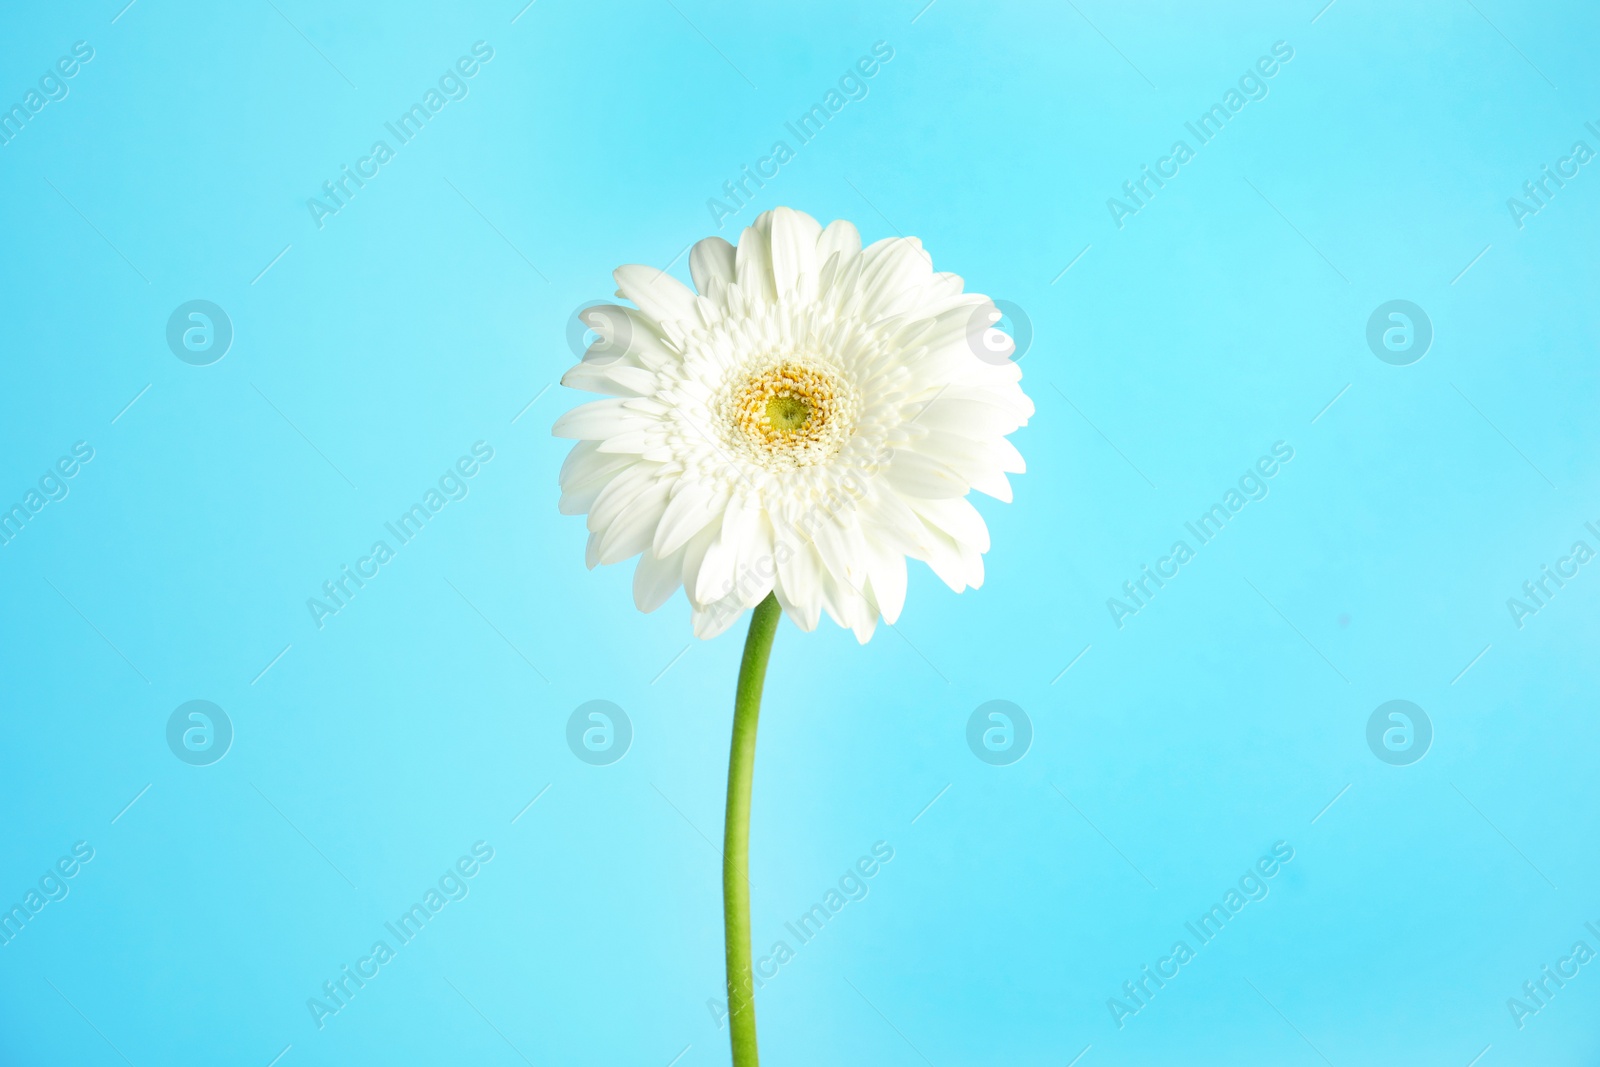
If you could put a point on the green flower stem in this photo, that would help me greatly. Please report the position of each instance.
(736, 832)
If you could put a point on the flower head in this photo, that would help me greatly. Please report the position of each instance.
(815, 415)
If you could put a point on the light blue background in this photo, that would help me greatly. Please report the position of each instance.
(429, 312)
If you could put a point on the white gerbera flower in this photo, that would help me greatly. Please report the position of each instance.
(813, 417)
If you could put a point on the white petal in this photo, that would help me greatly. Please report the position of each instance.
(756, 567)
(694, 555)
(895, 527)
(957, 413)
(613, 379)
(844, 560)
(973, 560)
(658, 294)
(583, 462)
(794, 253)
(800, 585)
(753, 261)
(841, 237)
(735, 562)
(584, 475)
(656, 579)
(957, 519)
(629, 484)
(888, 571)
(916, 474)
(596, 420)
(976, 461)
(633, 530)
(945, 558)
(893, 272)
(713, 619)
(693, 507)
(712, 260)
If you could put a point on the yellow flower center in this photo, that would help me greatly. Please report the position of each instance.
(788, 412)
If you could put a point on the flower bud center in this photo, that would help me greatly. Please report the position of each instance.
(787, 413)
